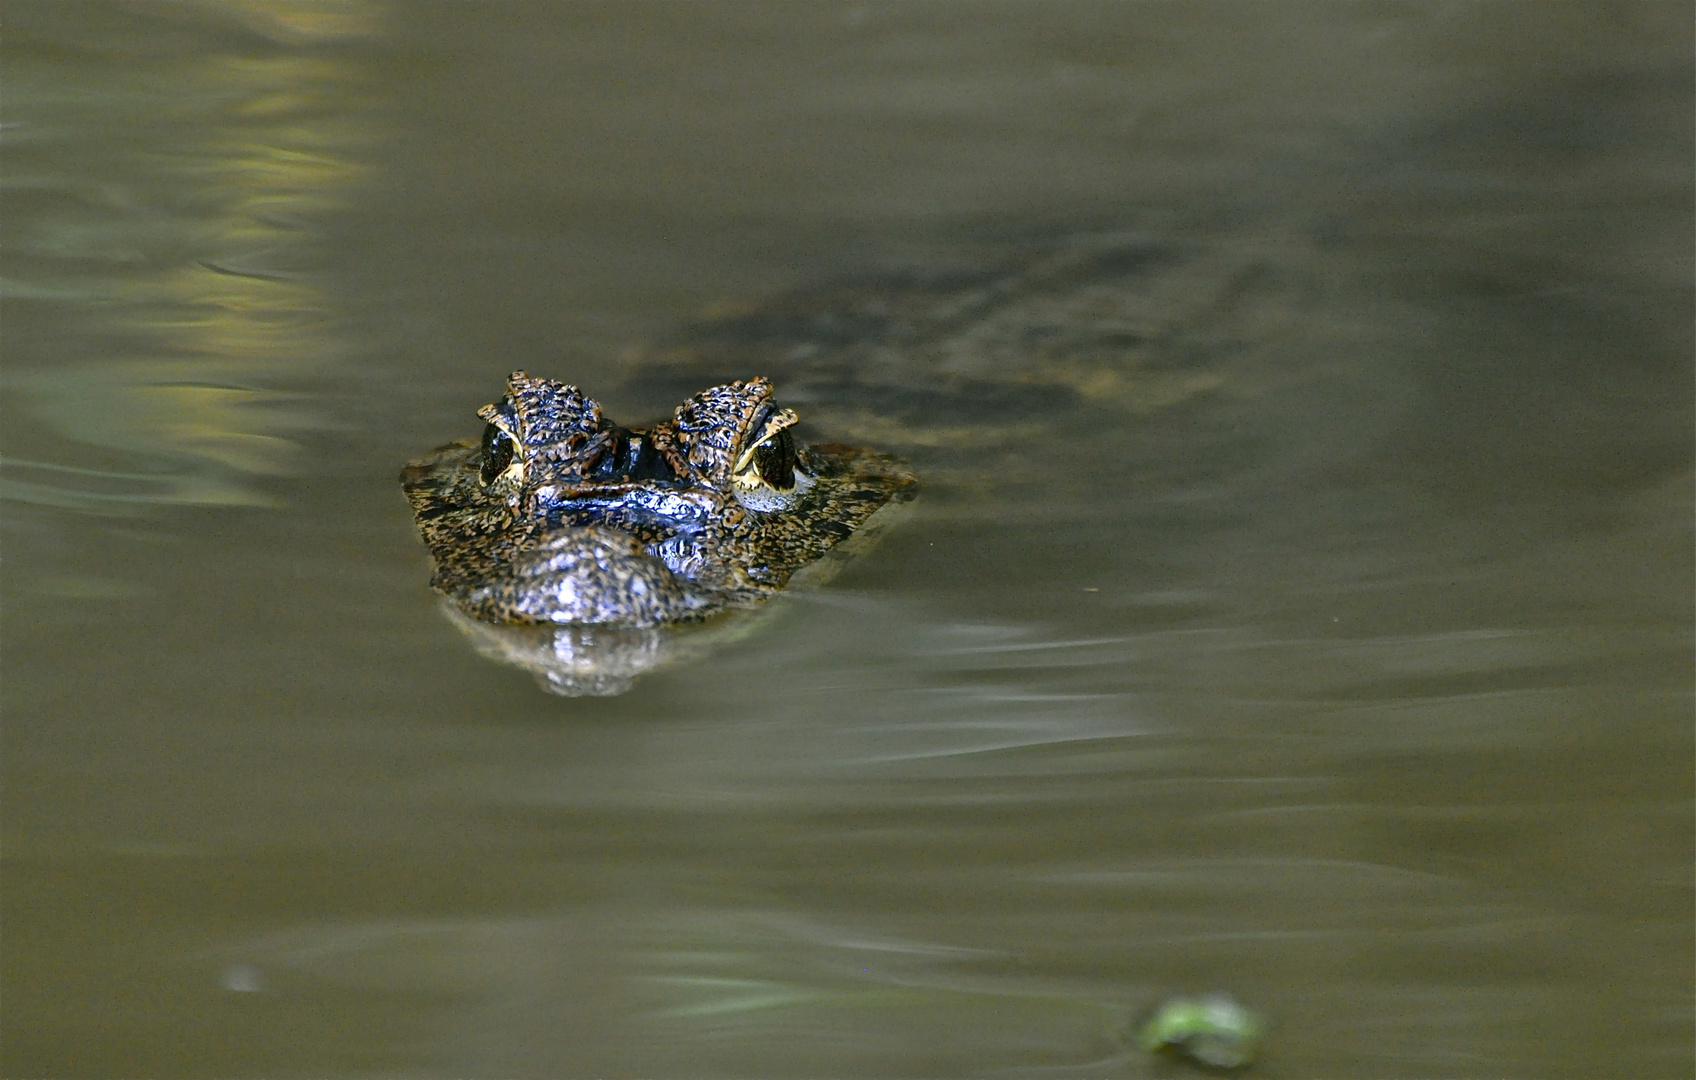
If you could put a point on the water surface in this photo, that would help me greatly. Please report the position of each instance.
(1337, 655)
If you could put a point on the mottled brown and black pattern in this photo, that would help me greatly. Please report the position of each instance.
(469, 534)
(854, 484)
(555, 421)
(559, 516)
(711, 423)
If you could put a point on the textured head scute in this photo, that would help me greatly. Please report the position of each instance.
(711, 425)
(551, 421)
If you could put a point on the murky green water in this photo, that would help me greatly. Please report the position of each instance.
(1351, 675)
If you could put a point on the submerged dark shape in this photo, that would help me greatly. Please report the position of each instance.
(571, 546)
(559, 517)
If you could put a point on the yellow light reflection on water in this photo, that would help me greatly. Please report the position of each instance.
(162, 219)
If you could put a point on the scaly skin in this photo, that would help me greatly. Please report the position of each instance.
(559, 516)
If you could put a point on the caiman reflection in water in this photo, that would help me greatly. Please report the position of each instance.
(599, 537)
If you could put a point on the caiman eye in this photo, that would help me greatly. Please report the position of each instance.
(774, 460)
(497, 453)
(771, 459)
